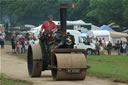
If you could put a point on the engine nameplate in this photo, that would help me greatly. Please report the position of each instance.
(73, 70)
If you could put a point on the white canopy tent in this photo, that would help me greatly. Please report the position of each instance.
(118, 35)
(95, 33)
(109, 36)
(29, 26)
(36, 29)
(77, 22)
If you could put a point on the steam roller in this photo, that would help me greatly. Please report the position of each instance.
(55, 52)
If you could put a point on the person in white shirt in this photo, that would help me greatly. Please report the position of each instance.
(31, 41)
(4, 35)
(124, 48)
(94, 40)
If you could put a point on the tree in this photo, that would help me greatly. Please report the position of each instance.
(106, 11)
(125, 13)
(98, 12)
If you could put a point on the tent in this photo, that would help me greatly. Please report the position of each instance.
(77, 22)
(98, 33)
(105, 27)
(29, 26)
(36, 29)
(118, 35)
(95, 27)
(109, 36)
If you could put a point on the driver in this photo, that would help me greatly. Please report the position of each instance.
(49, 26)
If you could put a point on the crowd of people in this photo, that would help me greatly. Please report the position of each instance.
(101, 46)
(20, 42)
(122, 47)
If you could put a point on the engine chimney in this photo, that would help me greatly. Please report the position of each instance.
(63, 16)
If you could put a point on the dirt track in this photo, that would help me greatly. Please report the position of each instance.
(17, 69)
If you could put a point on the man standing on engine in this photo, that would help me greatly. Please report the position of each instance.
(49, 25)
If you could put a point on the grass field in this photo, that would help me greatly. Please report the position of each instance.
(113, 67)
(5, 81)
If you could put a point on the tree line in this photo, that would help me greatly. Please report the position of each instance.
(98, 12)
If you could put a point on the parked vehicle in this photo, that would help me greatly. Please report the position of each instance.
(81, 41)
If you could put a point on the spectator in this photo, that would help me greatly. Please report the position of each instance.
(127, 42)
(127, 46)
(18, 46)
(31, 41)
(4, 35)
(27, 36)
(118, 47)
(102, 49)
(89, 39)
(102, 45)
(124, 47)
(97, 47)
(94, 40)
(109, 48)
(121, 50)
(1, 40)
(13, 42)
(100, 41)
(31, 35)
(19, 36)
(26, 45)
(103, 42)
(22, 42)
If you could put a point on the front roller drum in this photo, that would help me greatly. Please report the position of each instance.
(69, 61)
(34, 60)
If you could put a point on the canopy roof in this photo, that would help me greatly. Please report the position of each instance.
(105, 32)
(98, 33)
(30, 26)
(105, 27)
(118, 34)
(77, 22)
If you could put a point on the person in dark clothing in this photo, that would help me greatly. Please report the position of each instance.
(121, 49)
(100, 41)
(118, 47)
(127, 46)
(22, 42)
(109, 48)
(1, 40)
(27, 36)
